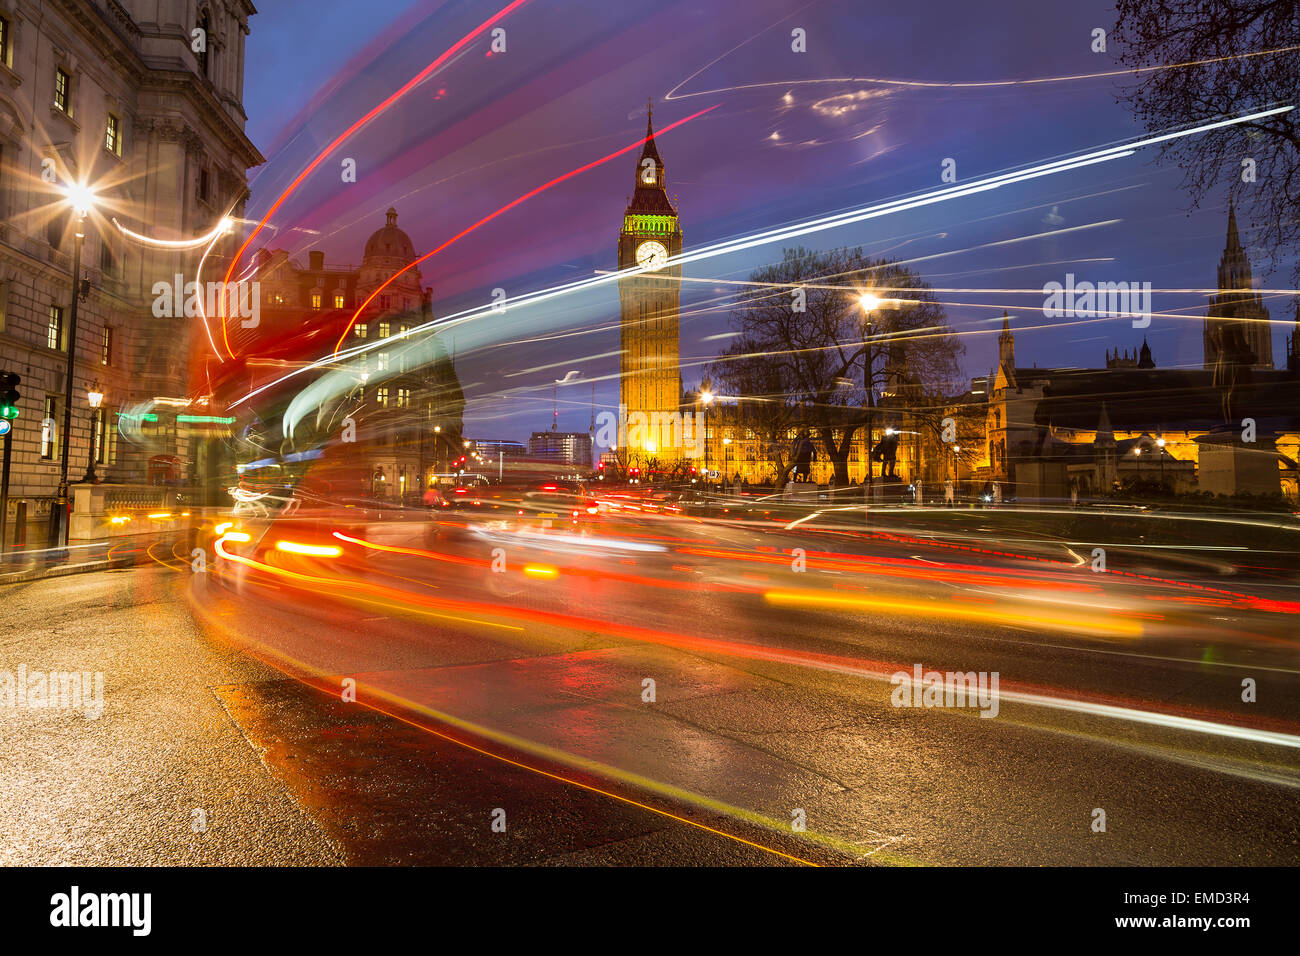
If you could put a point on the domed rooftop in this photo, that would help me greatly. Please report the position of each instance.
(390, 241)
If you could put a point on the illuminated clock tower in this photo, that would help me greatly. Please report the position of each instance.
(650, 375)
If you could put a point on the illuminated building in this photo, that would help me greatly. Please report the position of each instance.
(650, 377)
(407, 402)
(111, 94)
(1132, 424)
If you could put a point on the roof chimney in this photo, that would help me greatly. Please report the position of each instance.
(316, 260)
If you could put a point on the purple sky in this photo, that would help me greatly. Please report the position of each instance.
(572, 87)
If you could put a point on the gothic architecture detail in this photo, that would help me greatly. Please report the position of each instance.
(1237, 305)
(650, 375)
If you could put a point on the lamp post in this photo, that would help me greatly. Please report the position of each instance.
(82, 201)
(706, 399)
(1160, 446)
(94, 398)
(870, 302)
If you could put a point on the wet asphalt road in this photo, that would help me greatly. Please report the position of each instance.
(505, 705)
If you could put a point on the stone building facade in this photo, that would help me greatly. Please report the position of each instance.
(122, 97)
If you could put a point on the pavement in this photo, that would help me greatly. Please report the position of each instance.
(123, 789)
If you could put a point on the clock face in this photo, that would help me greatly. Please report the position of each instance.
(651, 255)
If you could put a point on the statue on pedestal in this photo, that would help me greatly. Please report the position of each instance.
(1232, 367)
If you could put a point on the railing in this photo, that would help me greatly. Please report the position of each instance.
(112, 511)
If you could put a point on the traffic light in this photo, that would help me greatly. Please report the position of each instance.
(9, 382)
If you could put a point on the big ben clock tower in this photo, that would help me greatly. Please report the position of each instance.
(650, 374)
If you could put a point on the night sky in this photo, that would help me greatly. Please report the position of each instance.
(793, 137)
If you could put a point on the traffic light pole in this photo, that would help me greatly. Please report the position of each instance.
(4, 492)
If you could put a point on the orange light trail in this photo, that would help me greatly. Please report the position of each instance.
(398, 94)
(506, 208)
(1085, 624)
(321, 682)
(1205, 721)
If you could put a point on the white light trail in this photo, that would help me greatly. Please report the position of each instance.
(222, 228)
(835, 221)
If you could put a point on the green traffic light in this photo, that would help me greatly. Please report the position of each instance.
(9, 411)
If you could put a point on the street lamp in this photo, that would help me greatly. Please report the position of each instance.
(81, 199)
(706, 399)
(94, 398)
(869, 302)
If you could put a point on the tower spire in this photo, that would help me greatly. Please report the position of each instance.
(1234, 239)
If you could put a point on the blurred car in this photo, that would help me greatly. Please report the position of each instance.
(556, 504)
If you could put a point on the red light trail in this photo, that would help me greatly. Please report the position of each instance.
(398, 94)
(506, 208)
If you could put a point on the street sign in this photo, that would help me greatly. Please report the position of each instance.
(5, 425)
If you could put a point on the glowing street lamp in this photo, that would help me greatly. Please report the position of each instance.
(94, 398)
(706, 399)
(82, 200)
(870, 302)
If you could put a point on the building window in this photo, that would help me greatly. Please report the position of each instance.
(359, 330)
(385, 301)
(201, 54)
(62, 87)
(106, 261)
(403, 398)
(113, 135)
(55, 229)
(97, 435)
(204, 184)
(383, 330)
(4, 42)
(403, 329)
(54, 331)
(277, 298)
(381, 396)
(383, 361)
(49, 434)
(338, 300)
(315, 299)
(106, 347)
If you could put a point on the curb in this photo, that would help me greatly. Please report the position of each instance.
(59, 570)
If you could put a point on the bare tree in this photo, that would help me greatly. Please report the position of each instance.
(1242, 77)
(762, 407)
(808, 354)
